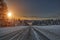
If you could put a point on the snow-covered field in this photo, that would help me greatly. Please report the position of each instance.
(51, 32)
(7, 30)
(52, 28)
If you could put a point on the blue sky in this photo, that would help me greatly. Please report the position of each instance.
(42, 8)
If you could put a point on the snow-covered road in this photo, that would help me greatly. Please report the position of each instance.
(30, 33)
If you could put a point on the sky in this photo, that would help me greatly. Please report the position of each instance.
(41, 8)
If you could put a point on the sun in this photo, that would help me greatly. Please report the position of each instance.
(9, 14)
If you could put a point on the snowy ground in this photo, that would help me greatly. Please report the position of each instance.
(52, 28)
(7, 30)
(51, 32)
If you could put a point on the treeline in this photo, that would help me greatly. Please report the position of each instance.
(31, 22)
(47, 22)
